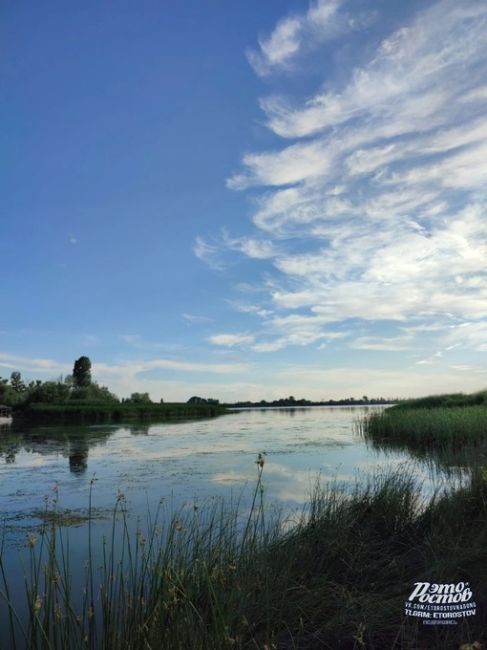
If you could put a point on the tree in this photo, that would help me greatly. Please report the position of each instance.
(17, 383)
(140, 398)
(49, 392)
(197, 400)
(82, 372)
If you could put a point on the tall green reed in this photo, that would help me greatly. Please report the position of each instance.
(224, 576)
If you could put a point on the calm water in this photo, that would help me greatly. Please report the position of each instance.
(182, 461)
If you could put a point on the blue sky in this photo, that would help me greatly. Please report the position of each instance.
(246, 200)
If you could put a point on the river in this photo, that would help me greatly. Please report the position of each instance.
(184, 461)
(46, 468)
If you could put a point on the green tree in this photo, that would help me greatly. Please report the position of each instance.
(4, 388)
(140, 398)
(17, 383)
(82, 372)
(53, 392)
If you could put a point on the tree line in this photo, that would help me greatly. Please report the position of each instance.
(15, 391)
(76, 388)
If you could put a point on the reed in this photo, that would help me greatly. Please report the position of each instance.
(99, 412)
(443, 427)
(221, 577)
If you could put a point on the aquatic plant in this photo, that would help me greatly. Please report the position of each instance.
(427, 428)
(223, 576)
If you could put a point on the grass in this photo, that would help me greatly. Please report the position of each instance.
(447, 400)
(427, 428)
(220, 577)
(103, 412)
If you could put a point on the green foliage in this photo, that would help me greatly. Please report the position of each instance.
(140, 398)
(48, 392)
(4, 387)
(197, 400)
(90, 411)
(16, 382)
(446, 427)
(77, 387)
(93, 393)
(222, 578)
(82, 372)
(12, 395)
(451, 400)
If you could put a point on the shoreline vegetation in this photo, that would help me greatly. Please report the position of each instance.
(334, 576)
(77, 399)
(103, 413)
(447, 422)
(291, 402)
(223, 576)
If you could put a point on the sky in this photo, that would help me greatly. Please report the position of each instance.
(245, 200)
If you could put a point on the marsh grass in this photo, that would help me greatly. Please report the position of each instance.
(86, 411)
(434, 428)
(218, 577)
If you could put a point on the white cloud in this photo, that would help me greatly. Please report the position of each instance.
(382, 199)
(381, 381)
(251, 247)
(258, 249)
(30, 364)
(291, 35)
(142, 366)
(388, 344)
(404, 81)
(291, 165)
(208, 253)
(196, 319)
(231, 340)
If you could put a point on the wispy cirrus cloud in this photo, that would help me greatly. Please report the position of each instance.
(231, 340)
(130, 367)
(134, 367)
(209, 253)
(196, 318)
(33, 364)
(218, 253)
(381, 195)
(300, 32)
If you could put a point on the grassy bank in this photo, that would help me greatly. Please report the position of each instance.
(218, 579)
(440, 422)
(78, 412)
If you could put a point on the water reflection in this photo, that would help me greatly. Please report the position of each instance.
(456, 463)
(72, 443)
(139, 429)
(207, 458)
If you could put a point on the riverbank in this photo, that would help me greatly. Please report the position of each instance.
(446, 422)
(226, 576)
(107, 412)
(336, 577)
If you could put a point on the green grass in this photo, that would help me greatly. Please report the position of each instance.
(448, 400)
(452, 427)
(104, 412)
(221, 577)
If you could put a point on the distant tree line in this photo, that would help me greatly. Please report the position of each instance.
(292, 402)
(203, 400)
(76, 388)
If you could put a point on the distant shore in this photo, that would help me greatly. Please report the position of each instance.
(106, 412)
